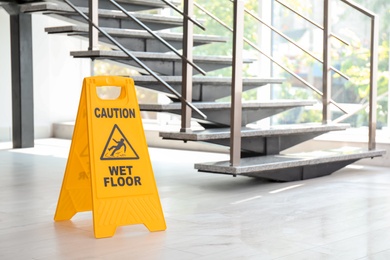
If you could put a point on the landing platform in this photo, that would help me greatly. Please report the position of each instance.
(292, 167)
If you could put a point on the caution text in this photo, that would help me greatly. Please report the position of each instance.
(113, 112)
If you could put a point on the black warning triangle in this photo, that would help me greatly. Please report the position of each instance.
(118, 147)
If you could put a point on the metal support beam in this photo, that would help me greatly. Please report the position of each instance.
(326, 75)
(188, 44)
(94, 17)
(236, 103)
(373, 83)
(22, 79)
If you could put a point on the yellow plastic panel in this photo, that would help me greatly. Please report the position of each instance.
(110, 154)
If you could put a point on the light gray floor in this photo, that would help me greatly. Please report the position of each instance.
(342, 216)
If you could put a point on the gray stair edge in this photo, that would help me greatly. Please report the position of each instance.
(132, 33)
(104, 54)
(284, 161)
(208, 80)
(64, 9)
(152, 4)
(224, 133)
(226, 105)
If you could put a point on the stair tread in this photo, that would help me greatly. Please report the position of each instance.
(224, 133)
(208, 79)
(133, 33)
(149, 55)
(150, 4)
(226, 105)
(205, 88)
(63, 9)
(283, 161)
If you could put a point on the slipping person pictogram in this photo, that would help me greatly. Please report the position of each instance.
(118, 147)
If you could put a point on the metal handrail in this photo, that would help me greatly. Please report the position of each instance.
(269, 57)
(326, 61)
(139, 62)
(373, 66)
(146, 28)
(373, 70)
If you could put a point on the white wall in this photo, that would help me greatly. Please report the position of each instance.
(57, 76)
(5, 76)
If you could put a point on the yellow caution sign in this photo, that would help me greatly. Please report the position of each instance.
(109, 169)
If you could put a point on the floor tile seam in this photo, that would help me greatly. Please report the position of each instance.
(351, 237)
(379, 252)
(299, 252)
(196, 255)
(338, 240)
(368, 184)
(204, 255)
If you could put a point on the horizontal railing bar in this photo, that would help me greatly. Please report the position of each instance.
(359, 8)
(340, 73)
(269, 57)
(185, 15)
(283, 35)
(301, 15)
(311, 21)
(339, 39)
(135, 19)
(212, 16)
(363, 106)
(139, 62)
(293, 42)
(285, 68)
(294, 74)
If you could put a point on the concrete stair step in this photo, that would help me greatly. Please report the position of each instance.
(259, 141)
(203, 88)
(130, 5)
(107, 18)
(218, 113)
(292, 167)
(136, 40)
(162, 63)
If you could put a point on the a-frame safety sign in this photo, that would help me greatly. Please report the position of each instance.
(109, 169)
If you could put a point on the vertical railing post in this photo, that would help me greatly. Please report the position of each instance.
(236, 92)
(94, 18)
(326, 74)
(373, 83)
(186, 90)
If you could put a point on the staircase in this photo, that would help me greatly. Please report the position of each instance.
(261, 148)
